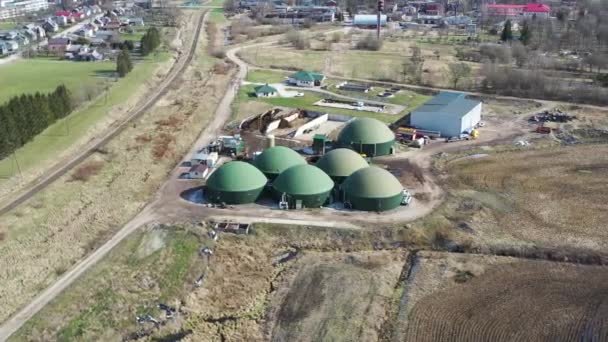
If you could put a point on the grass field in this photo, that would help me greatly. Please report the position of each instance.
(6, 25)
(29, 76)
(482, 298)
(246, 104)
(217, 16)
(73, 216)
(59, 136)
(214, 3)
(266, 76)
(551, 197)
(136, 35)
(336, 297)
(156, 265)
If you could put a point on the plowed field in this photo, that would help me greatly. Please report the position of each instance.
(509, 300)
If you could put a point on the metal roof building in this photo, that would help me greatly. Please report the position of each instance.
(277, 159)
(369, 20)
(341, 163)
(303, 186)
(372, 189)
(449, 113)
(367, 136)
(235, 182)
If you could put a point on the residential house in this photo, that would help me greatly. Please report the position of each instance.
(61, 20)
(8, 35)
(108, 36)
(30, 34)
(12, 46)
(503, 10)
(265, 91)
(38, 30)
(50, 26)
(86, 32)
(22, 40)
(99, 22)
(59, 45)
(537, 10)
(136, 22)
(306, 79)
(4, 50)
(198, 171)
(89, 56)
(77, 15)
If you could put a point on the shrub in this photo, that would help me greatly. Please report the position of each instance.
(219, 53)
(84, 172)
(298, 40)
(369, 43)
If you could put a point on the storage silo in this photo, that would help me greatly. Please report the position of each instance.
(341, 163)
(367, 136)
(372, 189)
(235, 182)
(277, 159)
(303, 186)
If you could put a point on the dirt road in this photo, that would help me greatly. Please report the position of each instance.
(64, 166)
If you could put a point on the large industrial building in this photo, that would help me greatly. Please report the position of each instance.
(367, 136)
(277, 159)
(341, 163)
(303, 186)
(448, 113)
(372, 189)
(235, 182)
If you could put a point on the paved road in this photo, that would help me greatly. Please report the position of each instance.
(16, 321)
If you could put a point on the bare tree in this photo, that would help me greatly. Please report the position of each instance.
(458, 71)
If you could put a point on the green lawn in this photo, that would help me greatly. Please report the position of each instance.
(59, 136)
(136, 35)
(29, 76)
(266, 76)
(217, 16)
(306, 102)
(214, 3)
(6, 25)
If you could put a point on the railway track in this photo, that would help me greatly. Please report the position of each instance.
(17, 320)
(63, 167)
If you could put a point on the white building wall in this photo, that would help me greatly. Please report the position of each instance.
(471, 120)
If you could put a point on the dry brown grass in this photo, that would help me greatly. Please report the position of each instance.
(549, 198)
(84, 172)
(75, 217)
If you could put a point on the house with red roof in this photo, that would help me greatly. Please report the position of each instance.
(537, 10)
(505, 11)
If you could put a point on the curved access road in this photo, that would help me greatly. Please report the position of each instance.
(64, 166)
(15, 322)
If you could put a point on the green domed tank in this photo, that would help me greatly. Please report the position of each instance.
(367, 136)
(277, 159)
(341, 163)
(304, 186)
(372, 189)
(235, 182)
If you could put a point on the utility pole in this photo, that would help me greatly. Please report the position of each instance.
(380, 9)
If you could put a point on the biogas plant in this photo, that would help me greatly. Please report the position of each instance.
(339, 174)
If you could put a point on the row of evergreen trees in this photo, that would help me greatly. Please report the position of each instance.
(23, 117)
(150, 41)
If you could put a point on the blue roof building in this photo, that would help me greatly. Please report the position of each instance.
(449, 113)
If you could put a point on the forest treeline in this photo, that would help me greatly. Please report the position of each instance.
(25, 116)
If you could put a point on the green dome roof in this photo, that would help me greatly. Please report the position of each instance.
(236, 176)
(341, 162)
(277, 159)
(372, 182)
(303, 180)
(366, 131)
